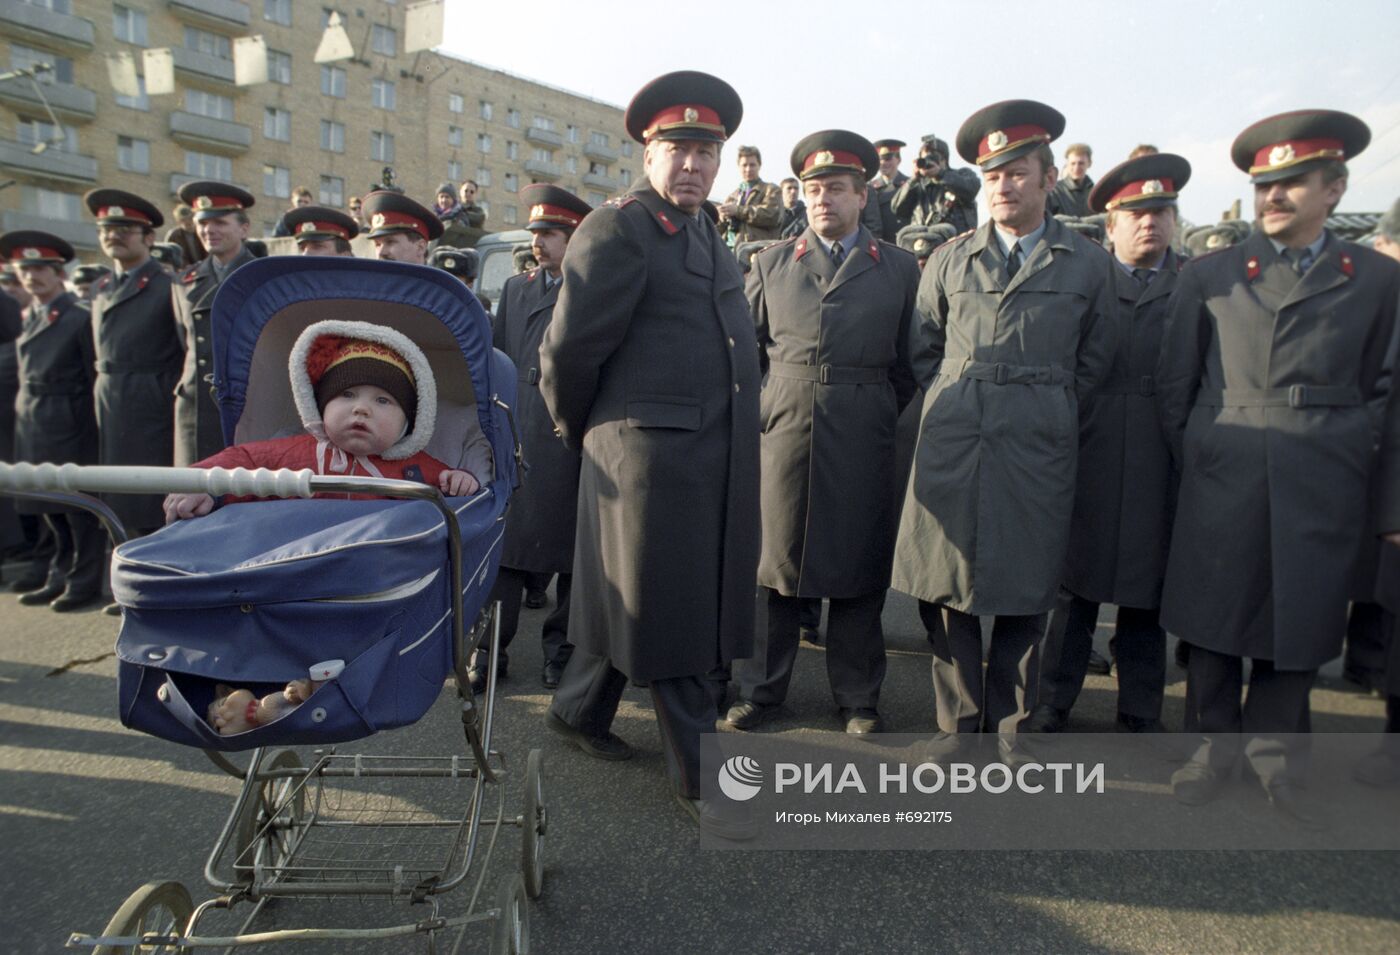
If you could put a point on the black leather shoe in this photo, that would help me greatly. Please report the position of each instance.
(1137, 724)
(1370, 682)
(862, 721)
(811, 635)
(535, 599)
(721, 818)
(1046, 719)
(1014, 753)
(44, 595)
(1099, 664)
(1292, 801)
(608, 747)
(747, 715)
(69, 601)
(1196, 784)
(945, 749)
(550, 675)
(27, 583)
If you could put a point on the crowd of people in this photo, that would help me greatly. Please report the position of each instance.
(842, 383)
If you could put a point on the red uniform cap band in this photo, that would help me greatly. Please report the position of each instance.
(543, 212)
(121, 212)
(684, 116)
(1293, 151)
(1000, 140)
(205, 203)
(398, 220)
(317, 228)
(34, 253)
(1143, 189)
(833, 158)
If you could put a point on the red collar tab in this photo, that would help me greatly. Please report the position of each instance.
(205, 203)
(121, 214)
(544, 212)
(53, 314)
(38, 254)
(831, 160)
(401, 221)
(189, 276)
(1141, 191)
(800, 249)
(1251, 268)
(670, 227)
(999, 141)
(531, 276)
(144, 280)
(1347, 267)
(1290, 152)
(874, 249)
(321, 230)
(684, 116)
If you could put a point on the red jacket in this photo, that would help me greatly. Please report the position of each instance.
(299, 451)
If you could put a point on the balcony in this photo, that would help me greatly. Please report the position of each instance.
(600, 181)
(228, 16)
(543, 170)
(545, 137)
(53, 164)
(204, 132)
(202, 65)
(82, 235)
(178, 179)
(68, 101)
(601, 153)
(25, 21)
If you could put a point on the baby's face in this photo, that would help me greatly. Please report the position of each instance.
(363, 419)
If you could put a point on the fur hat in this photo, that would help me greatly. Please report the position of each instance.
(330, 356)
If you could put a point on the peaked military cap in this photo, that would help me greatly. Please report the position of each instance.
(463, 263)
(115, 207)
(168, 253)
(1147, 182)
(834, 151)
(1291, 144)
(388, 212)
(995, 135)
(552, 208)
(307, 223)
(210, 199)
(684, 105)
(888, 147)
(85, 274)
(31, 247)
(522, 257)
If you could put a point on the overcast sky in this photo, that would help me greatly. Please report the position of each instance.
(1187, 77)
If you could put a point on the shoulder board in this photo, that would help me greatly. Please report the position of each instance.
(782, 243)
(621, 203)
(959, 237)
(892, 247)
(189, 277)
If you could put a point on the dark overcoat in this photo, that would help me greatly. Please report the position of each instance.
(139, 357)
(544, 509)
(1388, 505)
(828, 447)
(650, 367)
(985, 524)
(1123, 497)
(1263, 384)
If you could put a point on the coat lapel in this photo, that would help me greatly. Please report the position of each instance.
(1053, 238)
(47, 319)
(135, 282)
(1163, 282)
(862, 258)
(988, 261)
(813, 256)
(1328, 272)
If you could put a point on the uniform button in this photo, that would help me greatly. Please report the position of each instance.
(199, 338)
(731, 342)
(202, 363)
(736, 386)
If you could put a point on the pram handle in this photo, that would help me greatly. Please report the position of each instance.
(240, 482)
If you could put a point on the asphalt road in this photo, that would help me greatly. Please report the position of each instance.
(90, 810)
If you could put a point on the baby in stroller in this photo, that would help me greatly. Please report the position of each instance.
(367, 398)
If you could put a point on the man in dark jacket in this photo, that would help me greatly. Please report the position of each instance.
(650, 368)
(1071, 195)
(937, 193)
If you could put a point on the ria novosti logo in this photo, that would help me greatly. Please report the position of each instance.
(740, 778)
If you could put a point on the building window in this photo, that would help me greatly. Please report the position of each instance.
(279, 67)
(513, 119)
(64, 7)
(573, 134)
(214, 44)
(512, 150)
(598, 139)
(278, 11)
(597, 198)
(627, 148)
(512, 182)
(26, 57)
(543, 122)
(277, 181)
(382, 94)
(454, 170)
(598, 168)
(333, 82)
(455, 103)
(213, 105)
(332, 136)
(383, 39)
(483, 177)
(277, 124)
(571, 164)
(510, 215)
(208, 166)
(454, 135)
(627, 177)
(483, 142)
(140, 101)
(543, 155)
(485, 111)
(381, 146)
(133, 155)
(34, 131)
(51, 204)
(332, 191)
(129, 25)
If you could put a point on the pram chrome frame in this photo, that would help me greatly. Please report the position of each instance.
(285, 823)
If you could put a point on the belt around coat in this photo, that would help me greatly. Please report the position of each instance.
(1290, 396)
(1000, 373)
(108, 367)
(829, 374)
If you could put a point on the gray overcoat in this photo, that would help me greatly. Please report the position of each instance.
(198, 433)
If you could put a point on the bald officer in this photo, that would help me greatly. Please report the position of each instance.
(321, 231)
(399, 227)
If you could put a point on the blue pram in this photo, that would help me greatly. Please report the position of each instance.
(392, 590)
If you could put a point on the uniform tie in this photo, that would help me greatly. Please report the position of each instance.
(1300, 260)
(838, 253)
(1013, 261)
(1144, 276)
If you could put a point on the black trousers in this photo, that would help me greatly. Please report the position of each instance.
(1266, 724)
(80, 549)
(855, 651)
(1368, 631)
(510, 590)
(1140, 648)
(591, 689)
(971, 701)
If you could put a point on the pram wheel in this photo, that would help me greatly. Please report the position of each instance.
(163, 908)
(534, 825)
(270, 818)
(512, 927)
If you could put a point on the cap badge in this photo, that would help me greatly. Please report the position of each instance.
(114, 211)
(1151, 187)
(691, 114)
(308, 227)
(1213, 242)
(31, 253)
(203, 202)
(449, 263)
(537, 212)
(1280, 154)
(378, 220)
(921, 245)
(823, 158)
(996, 139)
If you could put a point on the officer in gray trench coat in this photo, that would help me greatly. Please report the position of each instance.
(1272, 349)
(1121, 525)
(833, 309)
(1015, 327)
(54, 419)
(1382, 767)
(651, 369)
(139, 355)
(221, 220)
